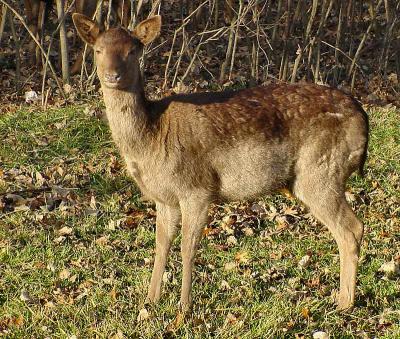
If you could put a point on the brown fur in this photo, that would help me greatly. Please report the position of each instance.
(186, 151)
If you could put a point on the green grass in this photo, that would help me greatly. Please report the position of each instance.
(93, 282)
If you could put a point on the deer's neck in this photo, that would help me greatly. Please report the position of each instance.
(129, 120)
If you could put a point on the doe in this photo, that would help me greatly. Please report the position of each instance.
(186, 151)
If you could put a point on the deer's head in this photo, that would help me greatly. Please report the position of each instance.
(117, 50)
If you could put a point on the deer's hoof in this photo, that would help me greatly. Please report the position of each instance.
(344, 304)
(185, 308)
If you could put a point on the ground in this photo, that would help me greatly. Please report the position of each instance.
(77, 245)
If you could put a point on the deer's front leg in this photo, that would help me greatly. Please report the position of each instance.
(194, 218)
(167, 220)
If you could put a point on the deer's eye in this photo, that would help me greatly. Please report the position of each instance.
(132, 51)
(98, 51)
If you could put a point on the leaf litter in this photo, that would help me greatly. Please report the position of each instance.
(65, 195)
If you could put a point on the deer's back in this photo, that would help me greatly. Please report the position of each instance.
(276, 111)
(246, 143)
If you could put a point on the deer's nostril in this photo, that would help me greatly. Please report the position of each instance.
(112, 77)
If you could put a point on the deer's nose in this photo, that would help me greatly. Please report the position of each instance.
(112, 77)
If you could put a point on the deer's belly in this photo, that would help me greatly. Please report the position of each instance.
(252, 171)
(242, 184)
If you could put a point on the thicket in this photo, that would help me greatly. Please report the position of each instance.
(352, 44)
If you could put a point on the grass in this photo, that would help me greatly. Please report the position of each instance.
(77, 262)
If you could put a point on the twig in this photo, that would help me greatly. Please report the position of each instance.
(180, 56)
(90, 78)
(44, 99)
(21, 19)
(3, 21)
(31, 191)
(63, 41)
(193, 57)
(17, 53)
(108, 15)
(342, 52)
(169, 60)
(228, 51)
(236, 38)
(362, 42)
(338, 40)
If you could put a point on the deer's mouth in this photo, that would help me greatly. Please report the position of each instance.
(115, 85)
(114, 80)
(120, 84)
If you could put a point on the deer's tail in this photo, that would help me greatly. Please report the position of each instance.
(365, 153)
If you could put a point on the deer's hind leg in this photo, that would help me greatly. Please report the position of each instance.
(324, 195)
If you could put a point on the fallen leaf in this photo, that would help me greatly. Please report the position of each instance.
(73, 278)
(230, 319)
(64, 274)
(290, 211)
(102, 241)
(51, 266)
(113, 224)
(227, 222)
(167, 277)
(42, 141)
(21, 208)
(181, 88)
(65, 231)
(391, 269)
(350, 197)
(176, 323)
(257, 208)
(31, 96)
(143, 315)
(50, 304)
(248, 232)
(60, 125)
(285, 192)
(320, 335)
(242, 257)
(304, 261)
(305, 312)
(59, 239)
(113, 294)
(231, 240)
(229, 266)
(118, 335)
(207, 231)
(39, 265)
(93, 202)
(108, 281)
(225, 285)
(25, 296)
(67, 88)
(281, 223)
(39, 179)
(18, 321)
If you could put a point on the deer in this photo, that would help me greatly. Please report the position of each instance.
(186, 151)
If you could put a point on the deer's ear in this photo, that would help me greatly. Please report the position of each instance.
(87, 29)
(148, 29)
